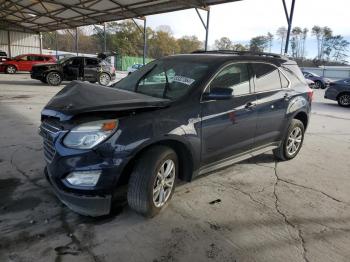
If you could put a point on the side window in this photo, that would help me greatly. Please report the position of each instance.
(23, 58)
(234, 76)
(91, 62)
(284, 81)
(267, 77)
(75, 61)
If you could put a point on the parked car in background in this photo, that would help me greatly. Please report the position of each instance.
(75, 68)
(320, 82)
(176, 118)
(339, 91)
(25, 62)
(310, 83)
(134, 68)
(3, 57)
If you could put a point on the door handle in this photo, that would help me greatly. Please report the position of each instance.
(250, 105)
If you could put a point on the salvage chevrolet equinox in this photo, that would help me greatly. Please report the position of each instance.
(174, 119)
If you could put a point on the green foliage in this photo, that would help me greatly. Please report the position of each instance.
(259, 43)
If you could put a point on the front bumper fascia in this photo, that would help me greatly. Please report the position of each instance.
(85, 205)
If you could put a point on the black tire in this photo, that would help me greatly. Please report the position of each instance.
(54, 78)
(318, 84)
(10, 69)
(144, 178)
(43, 81)
(92, 82)
(104, 79)
(282, 152)
(344, 100)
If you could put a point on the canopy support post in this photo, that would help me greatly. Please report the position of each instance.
(289, 21)
(205, 25)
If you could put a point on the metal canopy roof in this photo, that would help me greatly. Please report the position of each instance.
(50, 15)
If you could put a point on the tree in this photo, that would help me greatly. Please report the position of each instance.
(188, 44)
(258, 43)
(282, 35)
(270, 38)
(336, 48)
(239, 47)
(162, 44)
(321, 34)
(224, 43)
(295, 42)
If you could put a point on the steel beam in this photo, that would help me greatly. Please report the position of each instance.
(76, 41)
(289, 21)
(205, 25)
(144, 41)
(104, 38)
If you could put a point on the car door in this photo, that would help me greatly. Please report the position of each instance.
(228, 126)
(73, 68)
(23, 63)
(91, 68)
(34, 60)
(273, 93)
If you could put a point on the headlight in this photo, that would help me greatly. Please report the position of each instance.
(90, 134)
(83, 178)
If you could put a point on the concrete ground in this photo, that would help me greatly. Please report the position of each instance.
(258, 210)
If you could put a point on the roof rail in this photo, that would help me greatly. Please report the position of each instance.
(238, 53)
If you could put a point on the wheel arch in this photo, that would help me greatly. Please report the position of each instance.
(303, 117)
(7, 65)
(185, 157)
(343, 93)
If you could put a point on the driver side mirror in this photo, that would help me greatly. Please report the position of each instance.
(218, 93)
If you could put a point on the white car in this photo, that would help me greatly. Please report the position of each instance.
(134, 68)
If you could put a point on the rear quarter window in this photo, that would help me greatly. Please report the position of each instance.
(267, 77)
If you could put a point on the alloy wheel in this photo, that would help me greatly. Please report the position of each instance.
(294, 141)
(164, 183)
(318, 84)
(11, 69)
(54, 79)
(104, 79)
(344, 100)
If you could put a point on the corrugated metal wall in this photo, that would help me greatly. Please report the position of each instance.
(4, 41)
(21, 43)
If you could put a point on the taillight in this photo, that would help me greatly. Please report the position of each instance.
(310, 94)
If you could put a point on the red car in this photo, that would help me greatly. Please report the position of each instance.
(25, 62)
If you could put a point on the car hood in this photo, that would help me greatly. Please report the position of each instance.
(80, 97)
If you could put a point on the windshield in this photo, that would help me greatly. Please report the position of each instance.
(167, 78)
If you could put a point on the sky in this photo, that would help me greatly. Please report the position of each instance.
(240, 21)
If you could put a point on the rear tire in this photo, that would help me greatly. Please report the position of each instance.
(104, 79)
(152, 181)
(10, 69)
(292, 142)
(344, 100)
(53, 78)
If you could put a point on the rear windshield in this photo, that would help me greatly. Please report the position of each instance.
(168, 78)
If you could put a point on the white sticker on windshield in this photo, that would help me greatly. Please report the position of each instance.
(183, 80)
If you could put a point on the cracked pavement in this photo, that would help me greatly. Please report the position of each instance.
(257, 210)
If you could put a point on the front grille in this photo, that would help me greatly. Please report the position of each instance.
(49, 149)
(49, 132)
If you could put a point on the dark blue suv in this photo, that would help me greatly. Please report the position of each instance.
(174, 119)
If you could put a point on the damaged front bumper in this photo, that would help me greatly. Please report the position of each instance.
(85, 205)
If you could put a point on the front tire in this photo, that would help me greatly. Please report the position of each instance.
(11, 69)
(319, 85)
(152, 181)
(292, 142)
(53, 78)
(344, 100)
